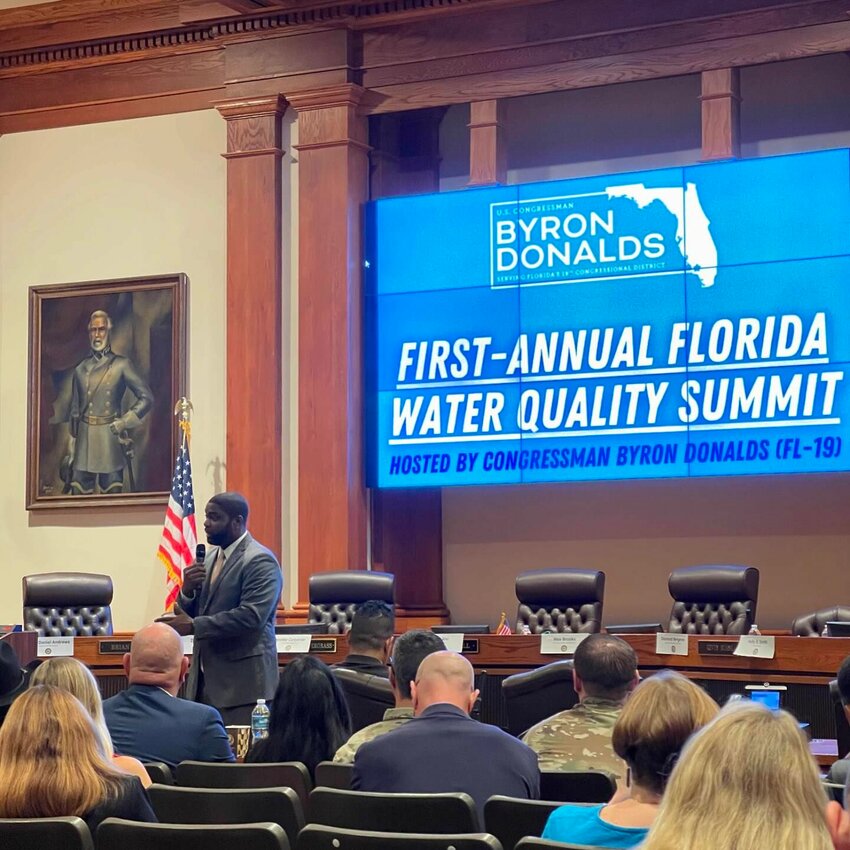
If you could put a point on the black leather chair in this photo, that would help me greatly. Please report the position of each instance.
(68, 604)
(577, 786)
(118, 834)
(713, 600)
(229, 806)
(314, 837)
(537, 694)
(510, 819)
(543, 844)
(431, 813)
(334, 596)
(28, 833)
(331, 775)
(159, 772)
(281, 774)
(368, 697)
(560, 600)
(812, 625)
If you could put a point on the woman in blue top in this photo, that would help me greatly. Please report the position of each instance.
(661, 714)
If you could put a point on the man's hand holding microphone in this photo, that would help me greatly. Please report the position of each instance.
(193, 578)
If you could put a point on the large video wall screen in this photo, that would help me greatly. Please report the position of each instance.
(681, 322)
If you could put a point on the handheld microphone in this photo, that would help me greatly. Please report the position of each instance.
(200, 553)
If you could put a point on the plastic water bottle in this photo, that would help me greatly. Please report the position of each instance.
(754, 630)
(260, 721)
(825, 632)
(525, 630)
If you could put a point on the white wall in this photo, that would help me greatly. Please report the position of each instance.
(795, 529)
(123, 199)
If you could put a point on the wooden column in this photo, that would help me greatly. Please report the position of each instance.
(254, 356)
(407, 525)
(333, 180)
(721, 114)
(488, 154)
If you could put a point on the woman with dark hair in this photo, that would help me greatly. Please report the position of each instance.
(309, 719)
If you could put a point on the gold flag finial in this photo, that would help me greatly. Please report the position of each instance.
(184, 410)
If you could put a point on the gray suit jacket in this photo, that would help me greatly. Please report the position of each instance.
(234, 627)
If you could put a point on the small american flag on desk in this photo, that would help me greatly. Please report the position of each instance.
(179, 533)
(503, 628)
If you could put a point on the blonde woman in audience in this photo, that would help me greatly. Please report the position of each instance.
(658, 718)
(72, 676)
(748, 781)
(52, 764)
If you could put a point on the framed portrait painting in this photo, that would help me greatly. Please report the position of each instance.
(107, 364)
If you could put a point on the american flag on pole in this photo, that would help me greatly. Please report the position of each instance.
(179, 534)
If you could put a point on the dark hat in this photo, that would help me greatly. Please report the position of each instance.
(13, 680)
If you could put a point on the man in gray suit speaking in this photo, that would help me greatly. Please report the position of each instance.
(229, 602)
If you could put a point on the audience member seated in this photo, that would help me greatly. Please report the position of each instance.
(659, 717)
(369, 638)
(747, 780)
(13, 678)
(309, 716)
(442, 749)
(73, 676)
(408, 652)
(604, 674)
(52, 764)
(148, 720)
(840, 770)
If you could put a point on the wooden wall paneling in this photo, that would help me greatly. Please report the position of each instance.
(333, 183)
(488, 153)
(721, 113)
(254, 309)
(407, 525)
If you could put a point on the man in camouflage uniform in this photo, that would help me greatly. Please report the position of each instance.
(408, 652)
(604, 674)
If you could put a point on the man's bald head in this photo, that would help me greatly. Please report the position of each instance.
(156, 658)
(444, 677)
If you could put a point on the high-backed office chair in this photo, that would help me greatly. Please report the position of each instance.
(537, 694)
(560, 600)
(69, 833)
(335, 596)
(368, 697)
(713, 600)
(68, 604)
(812, 625)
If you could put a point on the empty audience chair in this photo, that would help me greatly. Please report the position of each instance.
(713, 600)
(45, 834)
(537, 694)
(118, 834)
(229, 806)
(813, 624)
(511, 819)
(335, 596)
(368, 697)
(544, 844)
(431, 813)
(333, 838)
(159, 772)
(330, 775)
(68, 604)
(281, 774)
(560, 600)
(577, 786)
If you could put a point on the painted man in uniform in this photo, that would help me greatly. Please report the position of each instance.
(99, 430)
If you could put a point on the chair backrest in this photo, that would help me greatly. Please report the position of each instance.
(431, 813)
(577, 786)
(368, 697)
(280, 774)
(560, 600)
(334, 596)
(314, 837)
(159, 772)
(118, 834)
(842, 728)
(812, 624)
(511, 819)
(537, 694)
(544, 844)
(68, 604)
(229, 805)
(713, 599)
(61, 833)
(331, 775)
